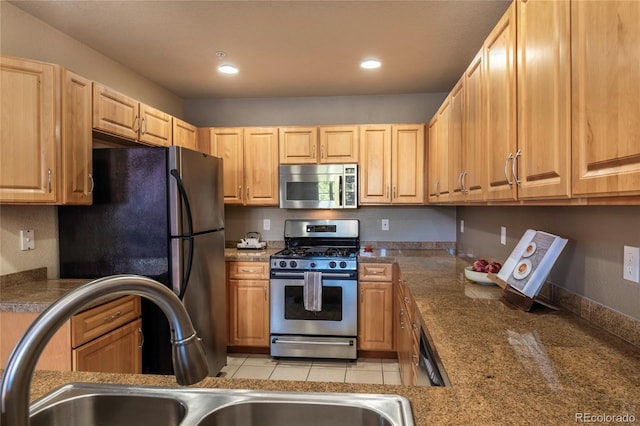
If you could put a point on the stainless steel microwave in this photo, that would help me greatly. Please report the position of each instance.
(319, 186)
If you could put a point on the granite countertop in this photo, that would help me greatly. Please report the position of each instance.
(506, 366)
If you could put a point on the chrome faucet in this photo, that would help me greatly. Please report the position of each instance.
(189, 361)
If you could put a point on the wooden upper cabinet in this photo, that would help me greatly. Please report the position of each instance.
(228, 144)
(432, 169)
(457, 155)
(156, 127)
(28, 142)
(76, 147)
(500, 105)
(375, 164)
(123, 116)
(313, 145)
(474, 152)
(443, 178)
(407, 163)
(115, 113)
(185, 135)
(392, 164)
(339, 144)
(261, 166)
(605, 91)
(544, 99)
(298, 145)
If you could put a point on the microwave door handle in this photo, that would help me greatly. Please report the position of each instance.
(340, 191)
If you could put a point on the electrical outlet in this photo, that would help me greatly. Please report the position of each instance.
(266, 224)
(27, 240)
(385, 224)
(503, 235)
(631, 264)
(462, 226)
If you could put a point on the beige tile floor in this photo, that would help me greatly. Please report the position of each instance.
(363, 370)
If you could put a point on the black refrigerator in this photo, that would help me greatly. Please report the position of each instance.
(157, 212)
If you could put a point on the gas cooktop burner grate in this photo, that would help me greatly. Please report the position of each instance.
(323, 252)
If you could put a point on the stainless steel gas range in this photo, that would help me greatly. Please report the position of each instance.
(314, 290)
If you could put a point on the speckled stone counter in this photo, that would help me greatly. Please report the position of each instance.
(249, 255)
(506, 366)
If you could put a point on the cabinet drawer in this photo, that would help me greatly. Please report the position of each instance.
(249, 270)
(95, 322)
(375, 272)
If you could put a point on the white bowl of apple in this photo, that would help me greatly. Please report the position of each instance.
(478, 271)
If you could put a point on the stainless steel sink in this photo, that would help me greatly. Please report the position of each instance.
(105, 405)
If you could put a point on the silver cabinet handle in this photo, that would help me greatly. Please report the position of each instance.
(49, 179)
(93, 183)
(321, 151)
(435, 188)
(395, 192)
(386, 194)
(112, 317)
(506, 165)
(265, 293)
(239, 191)
(313, 151)
(514, 170)
(141, 337)
(143, 126)
(136, 124)
(463, 188)
(247, 193)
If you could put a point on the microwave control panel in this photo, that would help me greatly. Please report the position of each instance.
(351, 185)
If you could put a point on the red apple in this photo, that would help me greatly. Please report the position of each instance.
(480, 265)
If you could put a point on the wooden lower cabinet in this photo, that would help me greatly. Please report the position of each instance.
(375, 307)
(248, 290)
(106, 338)
(119, 351)
(407, 330)
(375, 316)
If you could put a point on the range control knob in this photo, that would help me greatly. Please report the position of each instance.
(332, 264)
(293, 263)
(313, 264)
(283, 263)
(343, 264)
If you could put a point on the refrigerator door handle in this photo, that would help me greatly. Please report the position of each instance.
(188, 235)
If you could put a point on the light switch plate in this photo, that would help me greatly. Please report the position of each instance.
(27, 240)
(266, 224)
(385, 224)
(503, 235)
(462, 226)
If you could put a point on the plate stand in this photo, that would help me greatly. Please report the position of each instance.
(518, 299)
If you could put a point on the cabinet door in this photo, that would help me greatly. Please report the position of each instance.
(407, 154)
(28, 126)
(76, 139)
(298, 145)
(544, 99)
(605, 89)
(115, 113)
(261, 166)
(432, 169)
(228, 144)
(375, 316)
(185, 135)
(443, 193)
(119, 351)
(456, 146)
(156, 127)
(475, 153)
(500, 87)
(249, 313)
(339, 144)
(375, 164)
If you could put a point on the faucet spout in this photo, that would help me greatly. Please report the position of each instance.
(189, 361)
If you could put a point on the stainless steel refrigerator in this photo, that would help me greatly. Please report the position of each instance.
(157, 212)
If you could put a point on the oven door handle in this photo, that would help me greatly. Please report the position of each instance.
(276, 340)
(325, 275)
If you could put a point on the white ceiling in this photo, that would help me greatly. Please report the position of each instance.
(282, 48)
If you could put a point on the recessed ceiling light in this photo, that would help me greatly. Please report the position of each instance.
(228, 69)
(370, 64)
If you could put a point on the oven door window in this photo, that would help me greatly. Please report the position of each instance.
(331, 304)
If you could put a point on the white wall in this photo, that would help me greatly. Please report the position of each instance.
(407, 108)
